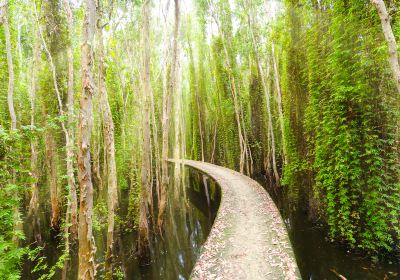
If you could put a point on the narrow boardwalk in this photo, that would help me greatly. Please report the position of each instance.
(248, 239)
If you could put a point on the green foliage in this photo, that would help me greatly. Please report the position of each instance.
(119, 274)
(257, 119)
(100, 216)
(133, 214)
(341, 113)
(227, 132)
(41, 266)
(10, 254)
(13, 178)
(350, 122)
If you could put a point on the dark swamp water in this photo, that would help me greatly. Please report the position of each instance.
(193, 204)
(320, 259)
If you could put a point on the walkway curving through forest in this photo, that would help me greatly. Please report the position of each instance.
(248, 239)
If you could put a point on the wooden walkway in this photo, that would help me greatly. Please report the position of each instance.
(248, 239)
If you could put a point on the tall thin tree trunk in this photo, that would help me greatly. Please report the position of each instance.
(72, 196)
(55, 191)
(71, 216)
(270, 126)
(248, 156)
(97, 141)
(183, 130)
(267, 157)
(167, 102)
(156, 148)
(10, 101)
(280, 106)
(243, 145)
(19, 48)
(393, 58)
(86, 249)
(214, 141)
(198, 104)
(198, 107)
(52, 179)
(108, 126)
(145, 176)
(267, 101)
(10, 92)
(34, 200)
(178, 142)
(199, 112)
(390, 39)
(159, 164)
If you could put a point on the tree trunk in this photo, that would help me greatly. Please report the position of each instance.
(52, 179)
(34, 200)
(10, 101)
(72, 197)
(55, 191)
(270, 126)
(280, 107)
(214, 142)
(156, 148)
(86, 241)
(390, 39)
(199, 106)
(242, 142)
(267, 101)
(178, 143)
(200, 124)
(145, 176)
(71, 216)
(108, 126)
(10, 93)
(244, 150)
(167, 102)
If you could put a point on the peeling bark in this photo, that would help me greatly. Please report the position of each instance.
(109, 143)
(72, 211)
(86, 249)
(71, 216)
